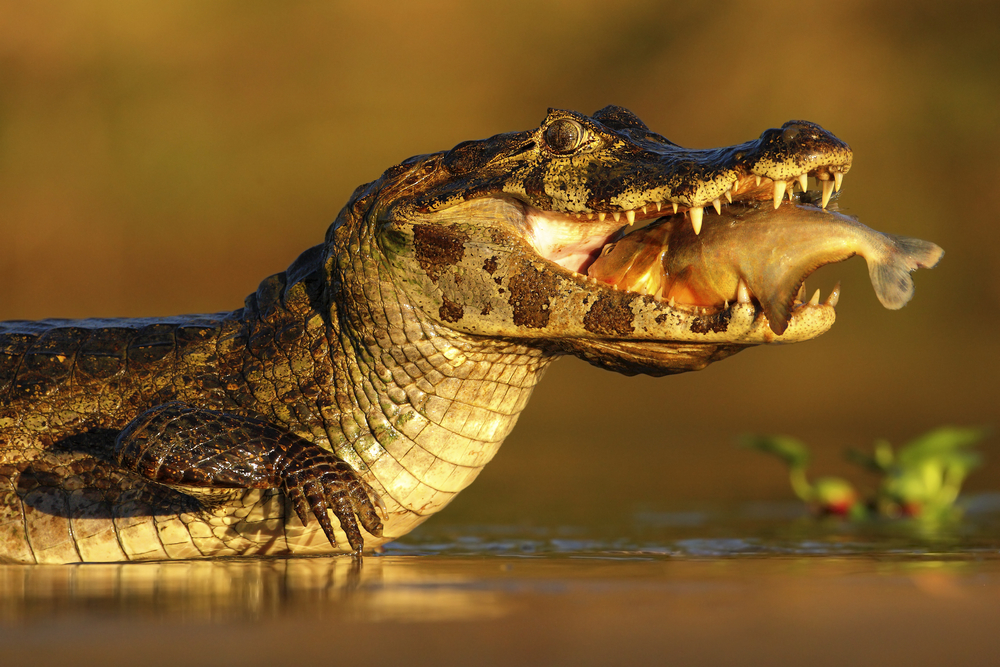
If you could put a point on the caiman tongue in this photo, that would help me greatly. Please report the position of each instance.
(755, 251)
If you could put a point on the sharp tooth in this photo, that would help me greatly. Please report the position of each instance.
(672, 304)
(804, 182)
(644, 209)
(814, 301)
(758, 180)
(742, 292)
(726, 307)
(717, 205)
(675, 207)
(658, 207)
(827, 191)
(838, 179)
(779, 192)
(729, 196)
(617, 215)
(591, 216)
(834, 297)
(630, 216)
(697, 212)
(801, 294)
(601, 216)
(736, 185)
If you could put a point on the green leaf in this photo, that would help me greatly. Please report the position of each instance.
(939, 442)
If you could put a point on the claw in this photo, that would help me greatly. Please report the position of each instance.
(319, 484)
(344, 511)
(383, 510)
(299, 503)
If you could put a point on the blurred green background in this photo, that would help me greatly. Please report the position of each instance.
(159, 158)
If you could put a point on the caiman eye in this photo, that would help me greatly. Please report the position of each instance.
(564, 135)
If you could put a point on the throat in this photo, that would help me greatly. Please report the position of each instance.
(430, 413)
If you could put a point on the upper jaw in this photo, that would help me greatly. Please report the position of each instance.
(653, 204)
(663, 178)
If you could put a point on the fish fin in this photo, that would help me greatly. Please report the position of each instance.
(891, 277)
(778, 308)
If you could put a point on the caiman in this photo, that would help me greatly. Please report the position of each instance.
(354, 394)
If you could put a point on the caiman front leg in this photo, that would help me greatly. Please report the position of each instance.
(193, 448)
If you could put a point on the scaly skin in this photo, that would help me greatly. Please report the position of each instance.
(384, 366)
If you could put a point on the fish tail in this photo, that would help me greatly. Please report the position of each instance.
(890, 275)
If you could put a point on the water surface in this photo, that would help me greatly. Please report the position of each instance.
(743, 584)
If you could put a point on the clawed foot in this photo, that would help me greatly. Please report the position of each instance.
(181, 445)
(316, 481)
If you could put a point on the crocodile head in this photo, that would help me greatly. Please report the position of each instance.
(495, 237)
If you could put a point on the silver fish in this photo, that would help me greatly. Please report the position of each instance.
(771, 251)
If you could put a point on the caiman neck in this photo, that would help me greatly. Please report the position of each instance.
(423, 408)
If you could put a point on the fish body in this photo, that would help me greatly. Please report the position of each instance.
(770, 251)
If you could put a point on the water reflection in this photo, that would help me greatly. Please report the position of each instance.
(393, 589)
(448, 572)
(426, 589)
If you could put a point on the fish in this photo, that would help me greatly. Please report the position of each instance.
(765, 251)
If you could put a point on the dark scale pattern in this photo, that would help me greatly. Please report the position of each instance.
(437, 248)
(532, 295)
(450, 311)
(611, 315)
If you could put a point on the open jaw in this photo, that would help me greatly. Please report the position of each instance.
(579, 241)
(752, 256)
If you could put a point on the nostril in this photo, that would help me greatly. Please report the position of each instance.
(790, 132)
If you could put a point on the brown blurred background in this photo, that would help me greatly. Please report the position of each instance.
(159, 158)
